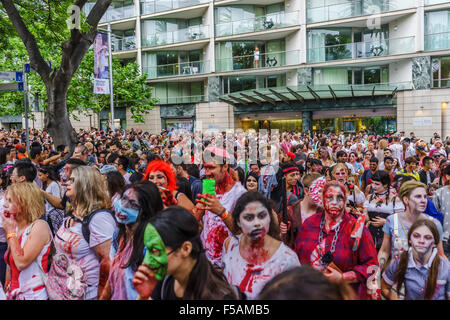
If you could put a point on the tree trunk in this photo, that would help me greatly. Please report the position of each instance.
(56, 118)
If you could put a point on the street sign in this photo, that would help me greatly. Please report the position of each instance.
(9, 87)
(11, 76)
(29, 69)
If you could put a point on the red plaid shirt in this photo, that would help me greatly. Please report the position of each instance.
(344, 256)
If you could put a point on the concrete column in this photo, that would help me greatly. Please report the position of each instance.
(209, 53)
(138, 33)
(420, 27)
(306, 121)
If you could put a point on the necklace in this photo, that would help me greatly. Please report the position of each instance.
(327, 258)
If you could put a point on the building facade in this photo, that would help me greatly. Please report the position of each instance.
(291, 65)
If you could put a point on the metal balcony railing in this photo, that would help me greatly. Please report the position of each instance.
(267, 22)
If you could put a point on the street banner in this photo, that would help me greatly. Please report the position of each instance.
(101, 67)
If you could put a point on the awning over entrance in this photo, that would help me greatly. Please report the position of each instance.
(313, 93)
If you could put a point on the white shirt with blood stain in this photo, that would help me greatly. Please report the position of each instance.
(71, 242)
(214, 230)
(250, 278)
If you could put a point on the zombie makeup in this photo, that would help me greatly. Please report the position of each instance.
(10, 208)
(422, 241)
(158, 178)
(418, 200)
(254, 221)
(156, 256)
(334, 201)
(125, 215)
(340, 175)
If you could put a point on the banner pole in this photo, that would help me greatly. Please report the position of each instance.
(110, 77)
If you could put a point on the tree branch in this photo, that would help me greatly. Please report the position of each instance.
(76, 47)
(36, 61)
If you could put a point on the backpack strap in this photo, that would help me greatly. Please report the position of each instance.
(396, 225)
(87, 220)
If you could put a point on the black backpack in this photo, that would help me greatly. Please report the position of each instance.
(87, 219)
(85, 223)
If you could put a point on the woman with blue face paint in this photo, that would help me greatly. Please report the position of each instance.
(139, 202)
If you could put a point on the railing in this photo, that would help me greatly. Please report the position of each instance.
(431, 2)
(177, 69)
(183, 35)
(166, 5)
(437, 41)
(125, 43)
(183, 99)
(441, 83)
(358, 50)
(266, 60)
(118, 13)
(349, 9)
(267, 22)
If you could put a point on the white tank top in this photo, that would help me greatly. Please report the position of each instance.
(30, 279)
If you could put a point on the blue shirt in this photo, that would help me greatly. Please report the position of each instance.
(432, 211)
(416, 277)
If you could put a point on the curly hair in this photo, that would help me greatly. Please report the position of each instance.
(164, 167)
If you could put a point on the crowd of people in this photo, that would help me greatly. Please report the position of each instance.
(312, 216)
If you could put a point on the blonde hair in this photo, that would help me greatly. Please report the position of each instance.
(337, 166)
(407, 188)
(356, 178)
(91, 193)
(383, 144)
(29, 199)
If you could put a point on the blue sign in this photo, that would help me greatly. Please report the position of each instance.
(11, 76)
(29, 69)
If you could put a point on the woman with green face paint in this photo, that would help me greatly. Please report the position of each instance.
(138, 204)
(175, 266)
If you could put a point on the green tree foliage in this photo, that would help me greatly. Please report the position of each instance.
(47, 21)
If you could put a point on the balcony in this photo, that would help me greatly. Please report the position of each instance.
(123, 44)
(167, 5)
(266, 60)
(177, 69)
(358, 50)
(183, 99)
(431, 2)
(357, 8)
(437, 41)
(113, 14)
(183, 35)
(263, 23)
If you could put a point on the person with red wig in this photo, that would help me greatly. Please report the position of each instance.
(162, 175)
(339, 245)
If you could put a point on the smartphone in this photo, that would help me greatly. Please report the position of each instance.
(209, 186)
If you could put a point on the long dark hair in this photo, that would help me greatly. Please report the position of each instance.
(150, 203)
(176, 225)
(432, 272)
(115, 183)
(252, 196)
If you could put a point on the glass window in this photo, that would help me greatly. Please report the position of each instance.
(357, 76)
(372, 75)
(242, 83)
(445, 72)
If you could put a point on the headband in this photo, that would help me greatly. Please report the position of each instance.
(290, 170)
